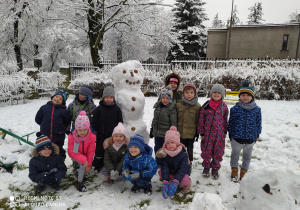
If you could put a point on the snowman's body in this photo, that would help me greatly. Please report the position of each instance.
(128, 78)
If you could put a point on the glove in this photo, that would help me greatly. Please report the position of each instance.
(125, 174)
(53, 171)
(196, 137)
(114, 174)
(151, 133)
(173, 187)
(134, 174)
(165, 189)
(49, 178)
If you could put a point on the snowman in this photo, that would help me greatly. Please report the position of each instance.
(128, 78)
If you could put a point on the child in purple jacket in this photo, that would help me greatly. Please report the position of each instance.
(213, 128)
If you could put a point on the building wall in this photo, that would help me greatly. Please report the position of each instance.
(216, 44)
(254, 42)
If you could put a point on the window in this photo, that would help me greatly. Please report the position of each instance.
(285, 41)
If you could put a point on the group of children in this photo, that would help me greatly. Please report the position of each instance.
(98, 137)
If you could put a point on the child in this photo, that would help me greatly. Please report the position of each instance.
(46, 166)
(83, 101)
(115, 151)
(105, 118)
(139, 166)
(165, 115)
(213, 129)
(81, 147)
(54, 119)
(175, 169)
(174, 80)
(188, 116)
(244, 129)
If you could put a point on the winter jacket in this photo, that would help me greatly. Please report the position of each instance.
(39, 165)
(105, 119)
(75, 108)
(188, 118)
(177, 165)
(113, 159)
(244, 124)
(213, 123)
(144, 163)
(86, 149)
(53, 121)
(164, 118)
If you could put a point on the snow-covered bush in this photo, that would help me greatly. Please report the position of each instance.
(51, 80)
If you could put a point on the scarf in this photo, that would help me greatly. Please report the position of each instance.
(214, 104)
(173, 153)
(117, 146)
(191, 102)
(78, 139)
(248, 106)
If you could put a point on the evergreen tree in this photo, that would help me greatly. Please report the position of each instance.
(217, 23)
(191, 35)
(235, 19)
(255, 16)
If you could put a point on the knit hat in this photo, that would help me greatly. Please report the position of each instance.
(63, 93)
(108, 91)
(119, 129)
(86, 90)
(218, 88)
(138, 141)
(172, 135)
(82, 121)
(167, 92)
(190, 85)
(42, 141)
(247, 88)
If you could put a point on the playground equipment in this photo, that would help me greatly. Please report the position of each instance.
(4, 132)
(230, 94)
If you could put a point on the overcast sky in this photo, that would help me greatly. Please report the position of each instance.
(275, 11)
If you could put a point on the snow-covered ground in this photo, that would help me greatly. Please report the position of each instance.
(275, 161)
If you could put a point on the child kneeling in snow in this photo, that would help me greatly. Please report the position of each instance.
(175, 169)
(46, 166)
(81, 147)
(139, 166)
(115, 151)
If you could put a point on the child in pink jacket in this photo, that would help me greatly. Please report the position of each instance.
(81, 147)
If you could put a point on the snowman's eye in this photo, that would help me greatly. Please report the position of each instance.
(124, 71)
(136, 71)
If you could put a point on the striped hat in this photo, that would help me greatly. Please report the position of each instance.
(42, 141)
(247, 88)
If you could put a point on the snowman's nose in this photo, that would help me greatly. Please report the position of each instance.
(131, 73)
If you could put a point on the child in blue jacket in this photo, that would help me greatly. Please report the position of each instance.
(54, 119)
(244, 127)
(139, 166)
(46, 166)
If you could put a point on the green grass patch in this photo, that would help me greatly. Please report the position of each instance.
(255, 157)
(183, 197)
(235, 195)
(75, 206)
(209, 184)
(21, 167)
(124, 189)
(144, 203)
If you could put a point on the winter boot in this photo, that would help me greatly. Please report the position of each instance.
(187, 188)
(135, 189)
(39, 188)
(214, 174)
(242, 173)
(234, 174)
(81, 187)
(205, 172)
(148, 190)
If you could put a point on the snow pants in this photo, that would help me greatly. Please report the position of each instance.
(212, 152)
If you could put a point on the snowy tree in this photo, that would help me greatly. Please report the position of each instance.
(235, 19)
(293, 15)
(255, 16)
(191, 35)
(217, 23)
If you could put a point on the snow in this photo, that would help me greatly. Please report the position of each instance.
(275, 161)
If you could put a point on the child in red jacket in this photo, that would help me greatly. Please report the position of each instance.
(81, 147)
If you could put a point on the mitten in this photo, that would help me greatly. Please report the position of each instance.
(125, 174)
(173, 187)
(53, 171)
(114, 174)
(151, 133)
(134, 174)
(165, 189)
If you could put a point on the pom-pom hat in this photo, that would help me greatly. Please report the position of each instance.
(172, 135)
(167, 92)
(218, 88)
(119, 129)
(82, 121)
(42, 141)
(138, 141)
(246, 87)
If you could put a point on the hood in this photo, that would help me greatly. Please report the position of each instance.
(109, 141)
(56, 151)
(173, 75)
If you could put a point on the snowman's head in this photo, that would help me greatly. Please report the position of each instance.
(128, 75)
